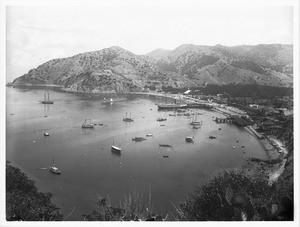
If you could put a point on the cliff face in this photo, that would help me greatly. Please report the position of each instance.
(117, 70)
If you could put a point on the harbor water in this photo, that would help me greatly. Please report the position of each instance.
(90, 170)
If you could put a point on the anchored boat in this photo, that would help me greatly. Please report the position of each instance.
(87, 124)
(115, 149)
(128, 119)
(108, 101)
(195, 121)
(161, 119)
(54, 169)
(137, 139)
(47, 101)
(165, 145)
(170, 106)
(189, 139)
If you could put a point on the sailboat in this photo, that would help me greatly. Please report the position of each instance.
(189, 139)
(128, 119)
(164, 118)
(195, 122)
(161, 119)
(108, 101)
(87, 124)
(54, 169)
(196, 126)
(115, 149)
(47, 101)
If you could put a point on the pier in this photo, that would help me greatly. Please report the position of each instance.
(236, 119)
(223, 120)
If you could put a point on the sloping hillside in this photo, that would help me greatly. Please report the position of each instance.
(117, 70)
(109, 70)
(262, 64)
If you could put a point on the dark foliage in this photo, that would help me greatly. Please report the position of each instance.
(173, 90)
(236, 196)
(24, 202)
(286, 180)
(134, 207)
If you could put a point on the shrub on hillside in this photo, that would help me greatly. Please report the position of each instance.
(236, 196)
(24, 202)
(134, 207)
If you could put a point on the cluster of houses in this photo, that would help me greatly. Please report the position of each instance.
(267, 115)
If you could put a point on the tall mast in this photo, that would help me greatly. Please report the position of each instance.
(45, 97)
(48, 96)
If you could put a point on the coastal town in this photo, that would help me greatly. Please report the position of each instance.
(262, 118)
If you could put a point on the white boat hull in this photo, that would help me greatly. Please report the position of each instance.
(115, 149)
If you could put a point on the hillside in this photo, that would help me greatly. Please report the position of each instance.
(261, 64)
(108, 70)
(117, 70)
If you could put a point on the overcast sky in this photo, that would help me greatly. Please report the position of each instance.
(36, 34)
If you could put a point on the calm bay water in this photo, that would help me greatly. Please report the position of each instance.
(90, 169)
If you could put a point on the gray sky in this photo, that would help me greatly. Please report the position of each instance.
(36, 34)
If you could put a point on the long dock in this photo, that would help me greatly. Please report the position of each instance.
(223, 120)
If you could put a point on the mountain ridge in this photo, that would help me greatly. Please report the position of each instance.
(115, 69)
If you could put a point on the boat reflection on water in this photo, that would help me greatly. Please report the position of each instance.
(115, 153)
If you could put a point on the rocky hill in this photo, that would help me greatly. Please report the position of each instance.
(261, 64)
(108, 70)
(117, 70)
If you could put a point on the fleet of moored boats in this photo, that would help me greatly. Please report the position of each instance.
(87, 124)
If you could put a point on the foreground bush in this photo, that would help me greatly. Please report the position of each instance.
(24, 202)
(234, 196)
(134, 207)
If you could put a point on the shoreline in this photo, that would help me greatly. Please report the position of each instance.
(276, 152)
(273, 147)
(66, 90)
